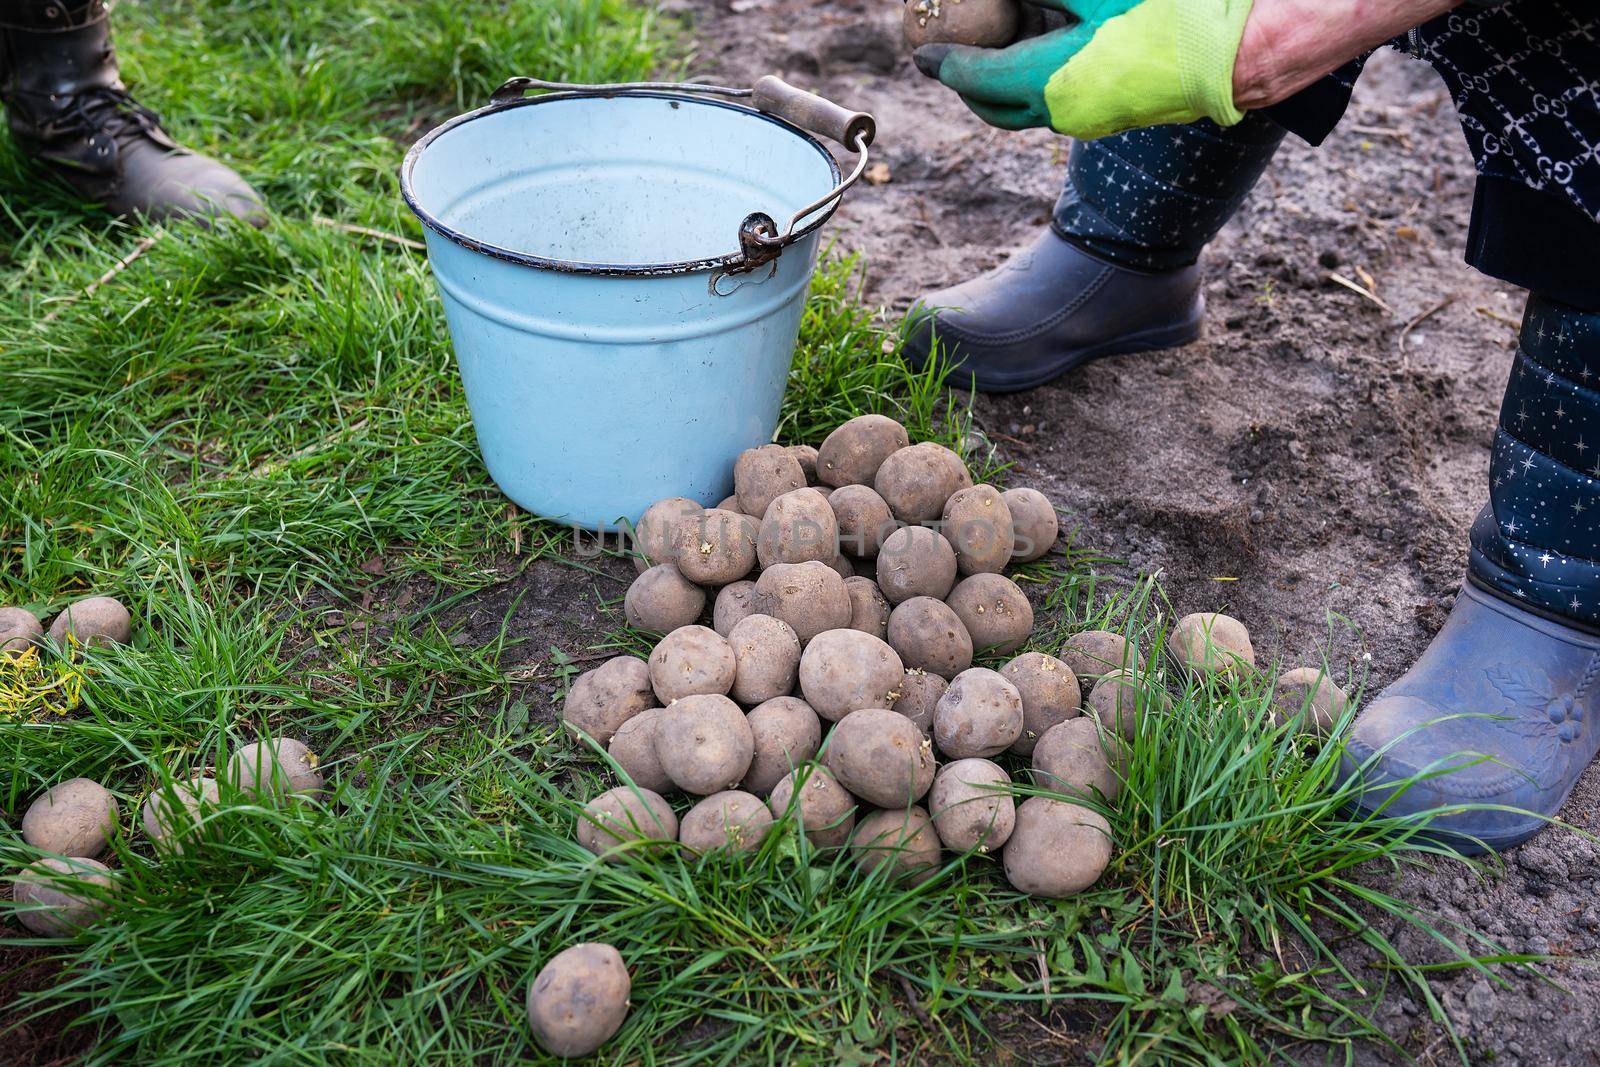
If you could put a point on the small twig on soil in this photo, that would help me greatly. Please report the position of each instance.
(268, 466)
(368, 231)
(910, 994)
(1496, 316)
(1418, 320)
(1358, 288)
(144, 245)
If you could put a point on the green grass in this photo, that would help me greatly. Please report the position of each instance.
(227, 430)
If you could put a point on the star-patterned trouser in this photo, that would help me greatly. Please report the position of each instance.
(1538, 540)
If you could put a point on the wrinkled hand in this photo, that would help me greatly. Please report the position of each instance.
(1122, 64)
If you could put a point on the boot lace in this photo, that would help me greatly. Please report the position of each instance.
(113, 112)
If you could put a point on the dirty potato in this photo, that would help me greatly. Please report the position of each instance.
(766, 655)
(811, 597)
(994, 610)
(971, 805)
(1057, 848)
(715, 547)
(705, 744)
(982, 23)
(1034, 524)
(1119, 700)
(806, 456)
(19, 630)
(927, 634)
(692, 660)
(652, 534)
(847, 670)
(798, 527)
(1050, 695)
(1307, 695)
(761, 475)
(826, 810)
(732, 819)
(863, 519)
(881, 757)
(787, 733)
(601, 700)
(1071, 757)
(95, 620)
(735, 601)
(579, 999)
(903, 839)
(1094, 653)
(661, 600)
(852, 454)
(52, 897)
(916, 561)
(173, 815)
(869, 608)
(618, 817)
(1210, 643)
(276, 767)
(71, 818)
(633, 747)
(919, 696)
(915, 482)
(977, 523)
(979, 715)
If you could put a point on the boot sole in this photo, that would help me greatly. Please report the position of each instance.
(1464, 841)
(1154, 340)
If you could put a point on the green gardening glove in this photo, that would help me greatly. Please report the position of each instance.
(1124, 63)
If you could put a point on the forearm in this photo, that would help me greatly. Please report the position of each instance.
(1288, 44)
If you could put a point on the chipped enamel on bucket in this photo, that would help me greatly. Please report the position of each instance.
(615, 345)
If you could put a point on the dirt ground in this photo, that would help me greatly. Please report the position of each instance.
(1310, 461)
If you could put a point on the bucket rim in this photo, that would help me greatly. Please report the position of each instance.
(731, 260)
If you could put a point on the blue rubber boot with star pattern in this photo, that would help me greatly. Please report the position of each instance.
(1493, 725)
(1116, 272)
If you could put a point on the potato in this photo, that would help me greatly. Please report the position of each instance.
(1308, 689)
(881, 757)
(735, 601)
(995, 612)
(798, 527)
(652, 534)
(579, 1000)
(843, 567)
(692, 660)
(919, 696)
(984, 23)
(19, 630)
(277, 766)
(916, 561)
(971, 805)
(633, 747)
(928, 635)
(601, 700)
(1119, 700)
(761, 475)
(852, 454)
(847, 670)
(979, 715)
(1050, 695)
(977, 523)
(1208, 643)
(715, 547)
(732, 819)
(806, 456)
(95, 620)
(869, 608)
(915, 482)
(826, 810)
(1094, 653)
(1071, 757)
(810, 597)
(766, 656)
(787, 733)
(1034, 524)
(729, 503)
(661, 600)
(71, 818)
(863, 519)
(705, 744)
(173, 816)
(49, 902)
(621, 816)
(1057, 848)
(902, 838)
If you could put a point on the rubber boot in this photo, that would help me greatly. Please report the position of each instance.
(1496, 721)
(1117, 269)
(68, 110)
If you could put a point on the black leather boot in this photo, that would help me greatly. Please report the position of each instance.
(69, 111)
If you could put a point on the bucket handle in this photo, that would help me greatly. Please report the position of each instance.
(760, 241)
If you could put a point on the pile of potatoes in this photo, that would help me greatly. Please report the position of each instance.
(849, 587)
(73, 822)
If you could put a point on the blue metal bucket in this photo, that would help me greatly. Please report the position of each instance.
(622, 305)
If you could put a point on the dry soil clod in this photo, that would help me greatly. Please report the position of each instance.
(579, 1000)
(602, 700)
(71, 818)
